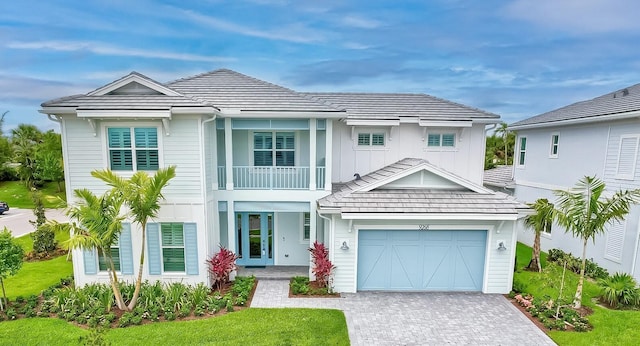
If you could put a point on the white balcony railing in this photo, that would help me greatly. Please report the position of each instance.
(270, 178)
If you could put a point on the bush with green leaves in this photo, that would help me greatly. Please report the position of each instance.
(620, 290)
(592, 269)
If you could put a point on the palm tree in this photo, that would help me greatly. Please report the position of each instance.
(97, 225)
(503, 131)
(585, 212)
(539, 222)
(142, 194)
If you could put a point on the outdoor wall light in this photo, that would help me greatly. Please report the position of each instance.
(501, 246)
(344, 246)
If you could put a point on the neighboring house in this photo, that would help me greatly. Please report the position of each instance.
(256, 166)
(594, 137)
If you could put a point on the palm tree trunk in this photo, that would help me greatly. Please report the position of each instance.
(535, 259)
(113, 277)
(3, 299)
(577, 300)
(136, 292)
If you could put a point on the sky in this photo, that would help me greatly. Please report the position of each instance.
(513, 58)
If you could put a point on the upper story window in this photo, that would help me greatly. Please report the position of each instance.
(522, 150)
(265, 153)
(441, 140)
(627, 157)
(371, 139)
(132, 149)
(173, 259)
(555, 140)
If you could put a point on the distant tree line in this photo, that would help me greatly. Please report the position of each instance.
(31, 156)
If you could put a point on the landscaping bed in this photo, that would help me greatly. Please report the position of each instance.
(300, 286)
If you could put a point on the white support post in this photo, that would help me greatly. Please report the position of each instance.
(228, 151)
(312, 153)
(328, 153)
(231, 227)
(212, 146)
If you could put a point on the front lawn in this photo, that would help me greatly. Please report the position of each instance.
(610, 327)
(16, 194)
(246, 327)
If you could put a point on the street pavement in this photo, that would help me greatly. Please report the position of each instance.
(17, 220)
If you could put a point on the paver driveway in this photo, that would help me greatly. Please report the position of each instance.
(390, 318)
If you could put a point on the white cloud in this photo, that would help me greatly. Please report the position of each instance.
(356, 45)
(578, 16)
(13, 87)
(106, 49)
(360, 22)
(296, 32)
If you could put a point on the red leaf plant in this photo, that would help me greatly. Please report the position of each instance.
(322, 267)
(221, 265)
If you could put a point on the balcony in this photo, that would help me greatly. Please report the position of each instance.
(270, 178)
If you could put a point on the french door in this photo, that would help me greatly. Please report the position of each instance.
(254, 238)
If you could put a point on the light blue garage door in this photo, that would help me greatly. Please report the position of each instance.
(400, 260)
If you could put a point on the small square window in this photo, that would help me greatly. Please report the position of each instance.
(433, 140)
(364, 139)
(448, 140)
(377, 139)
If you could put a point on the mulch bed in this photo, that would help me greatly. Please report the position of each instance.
(314, 287)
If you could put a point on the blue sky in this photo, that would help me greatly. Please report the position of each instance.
(514, 58)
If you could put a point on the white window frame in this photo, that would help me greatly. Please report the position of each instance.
(521, 151)
(296, 149)
(370, 134)
(441, 135)
(631, 175)
(554, 144)
(131, 125)
(303, 225)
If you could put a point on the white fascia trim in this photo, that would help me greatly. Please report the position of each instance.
(195, 110)
(133, 78)
(373, 122)
(544, 186)
(408, 216)
(119, 113)
(445, 123)
(58, 110)
(592, 119)
(287, 114)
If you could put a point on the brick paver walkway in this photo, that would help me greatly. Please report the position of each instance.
(392, 318)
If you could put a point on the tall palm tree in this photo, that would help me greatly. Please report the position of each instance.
(585, 212)
(97, 224)
(142, 195)
(503, 131)
(539, 222)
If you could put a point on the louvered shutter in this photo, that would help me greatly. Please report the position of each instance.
(191, 248)
(153, 249)
(126, 250)
(627, 157)
(615, 241)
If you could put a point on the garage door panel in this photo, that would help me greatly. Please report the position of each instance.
(421, 260)
(405, 266)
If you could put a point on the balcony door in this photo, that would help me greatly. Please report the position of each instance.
(254, 238)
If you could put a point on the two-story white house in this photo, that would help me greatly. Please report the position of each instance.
(593, 137)
(391, 183)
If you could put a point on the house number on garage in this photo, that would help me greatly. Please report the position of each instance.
(423, 227)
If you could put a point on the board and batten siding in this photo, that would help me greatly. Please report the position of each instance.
(500, 263)
(406, 140)
(182, 149)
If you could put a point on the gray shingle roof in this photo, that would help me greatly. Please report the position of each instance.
(229, 89)
(501, 176)
(618, 102)
(124, 102)
(352, 197)
(397, 106)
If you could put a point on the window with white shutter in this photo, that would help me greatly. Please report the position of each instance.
(627, 154)
(615, 241)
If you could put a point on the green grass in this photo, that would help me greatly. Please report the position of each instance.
(246, 327)
(610, 327)
(34, 277)
(17, 195)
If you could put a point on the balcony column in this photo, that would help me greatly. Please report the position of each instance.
(228, 152)
(212, 147)
(312, 153)
(231, 227)
(328, 153)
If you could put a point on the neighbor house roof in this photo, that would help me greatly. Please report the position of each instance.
(614, 105)
(500, 176)
(398, 106)
(358, 196)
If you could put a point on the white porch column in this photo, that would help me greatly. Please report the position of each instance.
(212, 146)
(312, 155)
(328, 162)
(228, 151)
(231, 227)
